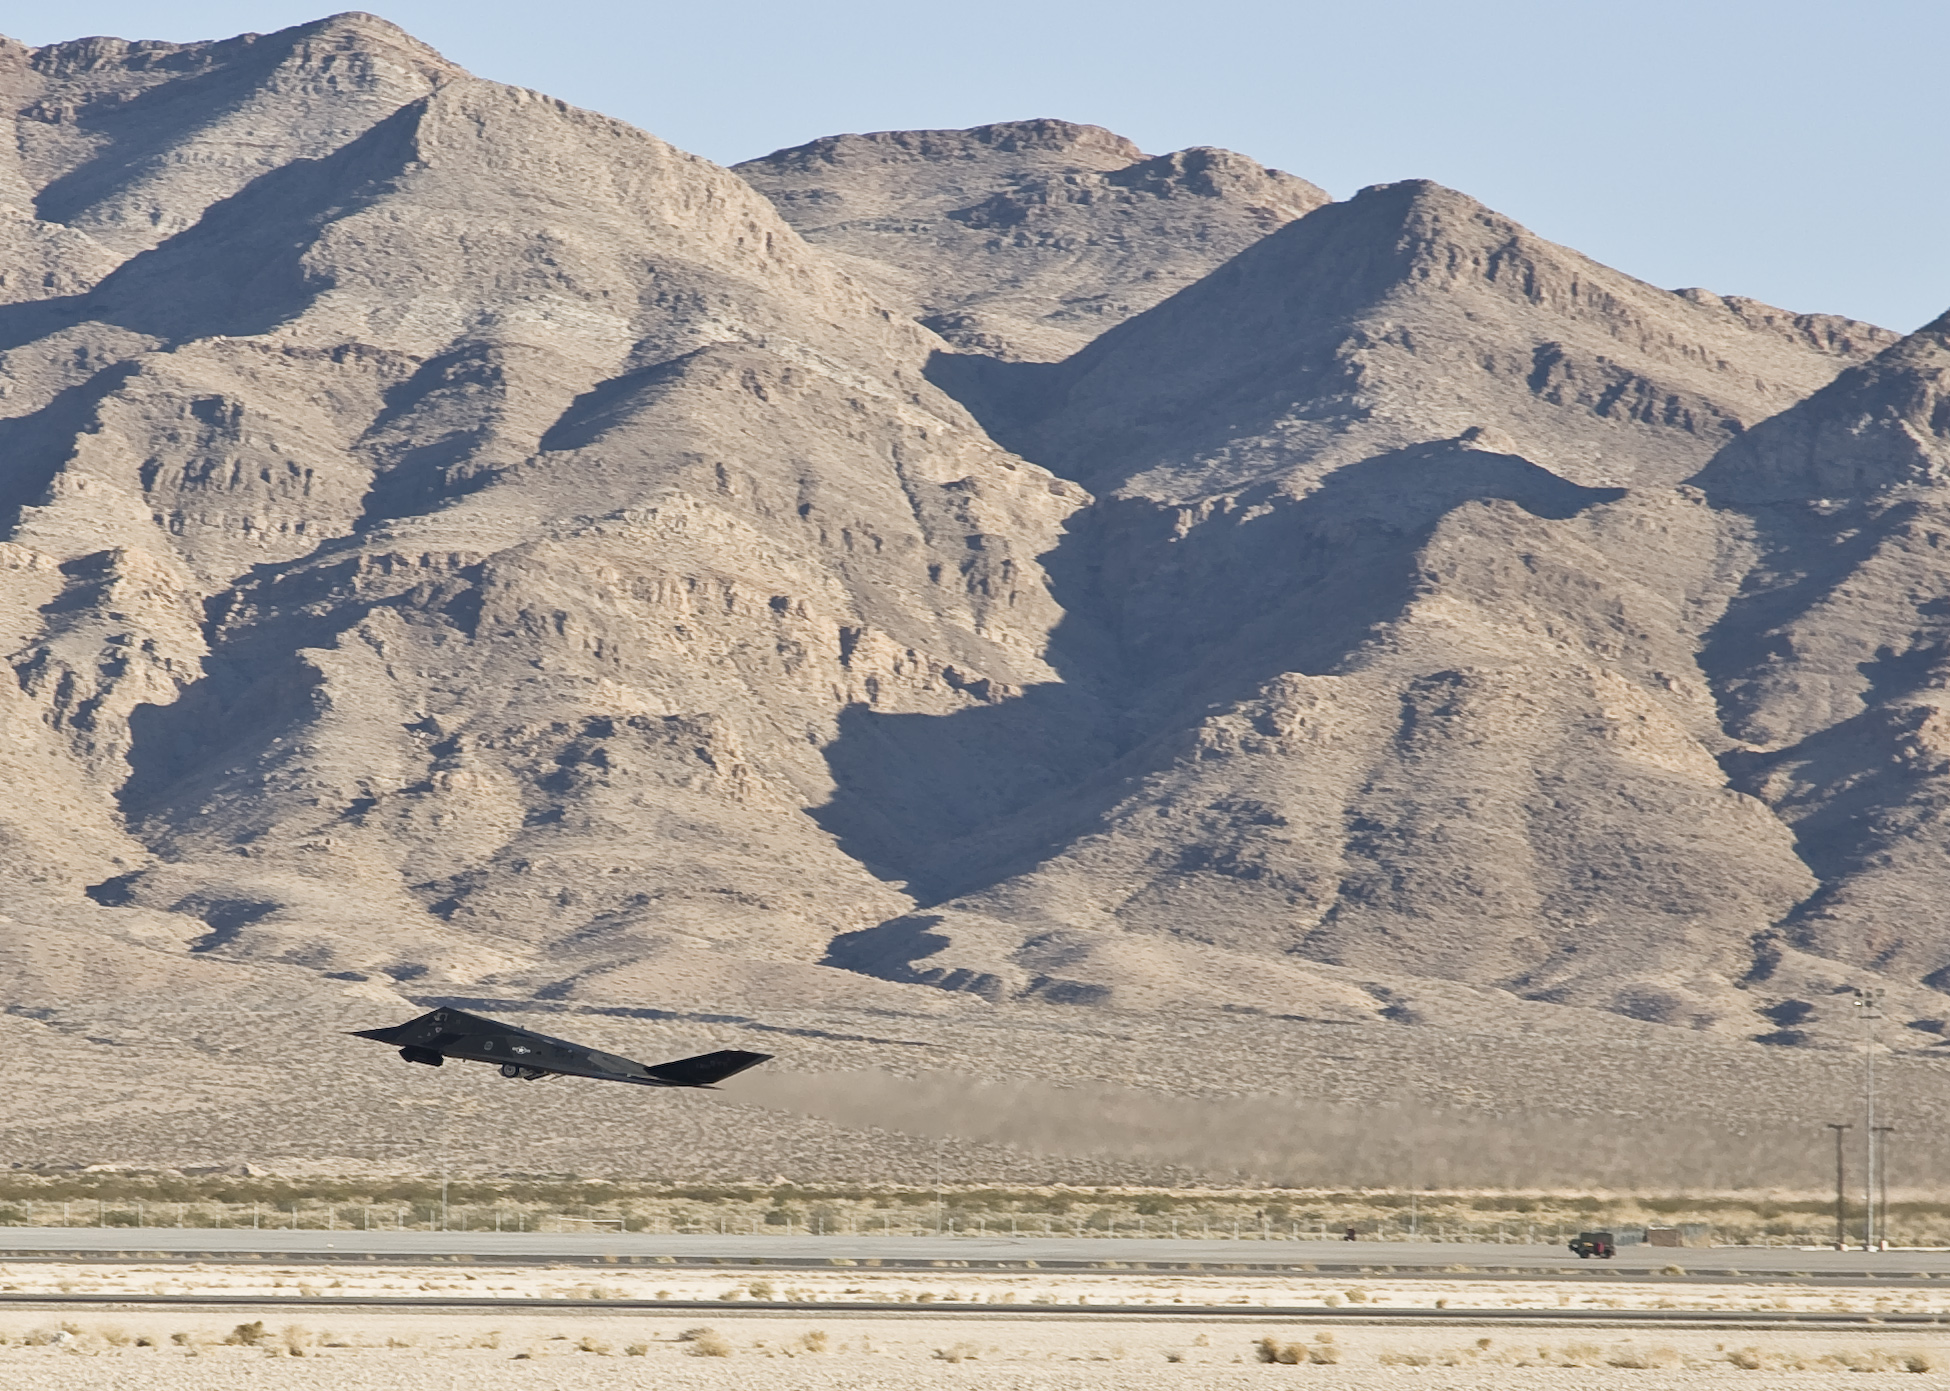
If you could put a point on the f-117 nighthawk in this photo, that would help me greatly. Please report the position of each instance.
(451, 1033)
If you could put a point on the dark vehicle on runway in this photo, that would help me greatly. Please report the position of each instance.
(451, 1033)
(1599, 1244)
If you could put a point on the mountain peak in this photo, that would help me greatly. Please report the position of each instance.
(1025, 239)
(1385, 321)
(1880, 428)
(1019, 143)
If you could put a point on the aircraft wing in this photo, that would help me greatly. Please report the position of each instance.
(445, 1033)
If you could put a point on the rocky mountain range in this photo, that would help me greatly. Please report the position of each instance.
(456, 545)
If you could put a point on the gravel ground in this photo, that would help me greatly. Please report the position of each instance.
(367, 1349)
(564, 1353)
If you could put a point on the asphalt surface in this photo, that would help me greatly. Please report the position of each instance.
(1326, 1257)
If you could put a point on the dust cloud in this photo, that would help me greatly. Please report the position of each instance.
(1287, 1141)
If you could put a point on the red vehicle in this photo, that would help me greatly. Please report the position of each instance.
(1599, 1244)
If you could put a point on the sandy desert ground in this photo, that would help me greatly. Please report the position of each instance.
(736, 1346)
(405, 1352)
(735, 1287)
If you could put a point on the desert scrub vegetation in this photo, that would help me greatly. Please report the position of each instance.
(705, 1342)
(1322, 1351)
(1759, 1359)
(556, 1203)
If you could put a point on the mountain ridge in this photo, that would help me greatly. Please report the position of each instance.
(460, 545)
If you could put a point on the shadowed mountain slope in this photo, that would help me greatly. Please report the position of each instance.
(1833, 661)
(448, 573)
(1409, 313)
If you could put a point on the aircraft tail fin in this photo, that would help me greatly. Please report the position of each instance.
(706, 1068)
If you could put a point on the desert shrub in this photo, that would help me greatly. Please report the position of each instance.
(704, 1343)
(960, 1352)
(589, 1343)
(815, 1341)
(637, 1350)
(760, 1289)
(248, 1335)
(296, 1339)
(1357, 1295)
(1322, 1353)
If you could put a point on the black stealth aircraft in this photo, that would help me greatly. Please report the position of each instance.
(451, 1033)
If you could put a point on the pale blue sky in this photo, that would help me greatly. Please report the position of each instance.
(1787, 150)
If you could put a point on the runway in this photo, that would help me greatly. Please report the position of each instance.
(1403, 1259)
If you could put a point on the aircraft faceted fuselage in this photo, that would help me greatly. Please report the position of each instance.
(445, 1033)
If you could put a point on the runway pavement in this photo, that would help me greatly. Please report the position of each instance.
(1361, 1257)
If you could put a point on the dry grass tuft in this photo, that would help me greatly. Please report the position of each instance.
(1321, 1352)
(960, 1352)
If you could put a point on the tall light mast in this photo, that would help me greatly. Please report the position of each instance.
(1868, 1004)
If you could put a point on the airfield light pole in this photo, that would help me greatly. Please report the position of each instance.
(1869, 1004)
(1882, 1178)
(1841, 1188)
